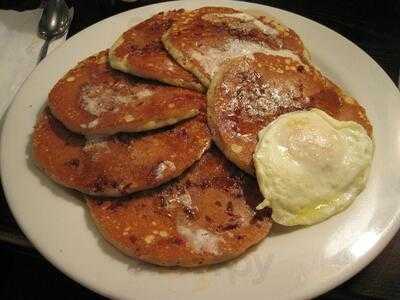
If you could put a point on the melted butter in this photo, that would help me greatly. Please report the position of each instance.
(200, 240)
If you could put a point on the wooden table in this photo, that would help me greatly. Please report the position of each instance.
(373, 25)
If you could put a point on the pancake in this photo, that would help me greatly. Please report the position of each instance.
(204, 38)
(248, 93)
(139, 51)
(93, 99)
(120, 164)
(204, 217)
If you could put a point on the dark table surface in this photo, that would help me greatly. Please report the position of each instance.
(372, 25)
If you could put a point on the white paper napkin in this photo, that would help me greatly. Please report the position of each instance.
(19, 50)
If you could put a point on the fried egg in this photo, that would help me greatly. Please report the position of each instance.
(310, 166)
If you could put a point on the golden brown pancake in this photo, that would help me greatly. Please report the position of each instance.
(206, 37)
(93, 98)
(204, 217)
(139, 51)
(248, 93)
(120, 164)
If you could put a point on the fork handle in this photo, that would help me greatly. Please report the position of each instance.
(44, 49)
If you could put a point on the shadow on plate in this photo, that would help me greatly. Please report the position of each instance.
(278, 229)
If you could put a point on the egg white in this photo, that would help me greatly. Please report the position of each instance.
(310, 166)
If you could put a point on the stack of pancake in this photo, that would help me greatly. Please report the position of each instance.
(131, 128)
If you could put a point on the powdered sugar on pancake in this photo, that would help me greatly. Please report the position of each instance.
(99, 98)
(96, 143)
(93, 123)
(241, 21)
(144, 93)
(260, 98)
(182, 199)
(163, 167)
(200, 240)
(211, 58)
(185, 200)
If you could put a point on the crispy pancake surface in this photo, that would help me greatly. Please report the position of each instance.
(206, 37)
(93, 98)
(120, 164)
(248, 93)
(139, 51)
(204, 217)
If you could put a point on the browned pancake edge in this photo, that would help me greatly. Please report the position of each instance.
(139, 51)
(205, 217)
(120, 164)
(92, 98)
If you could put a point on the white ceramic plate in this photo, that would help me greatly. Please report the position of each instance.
(289, 264)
